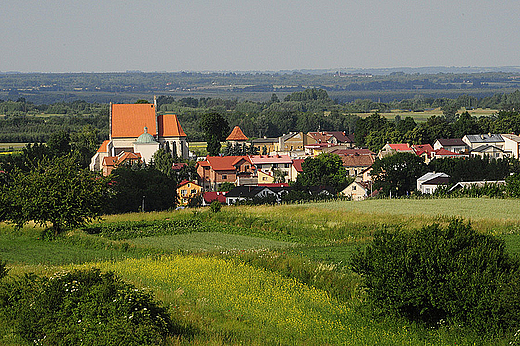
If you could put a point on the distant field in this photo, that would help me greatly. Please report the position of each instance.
(421, 117)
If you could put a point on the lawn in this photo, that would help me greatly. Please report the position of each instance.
(263, 274)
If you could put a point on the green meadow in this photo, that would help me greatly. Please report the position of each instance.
(260, 275)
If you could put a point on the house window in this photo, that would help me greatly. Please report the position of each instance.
(193, 191)
(246, 167)
(184, 192)
(353, 187)
(224, 176)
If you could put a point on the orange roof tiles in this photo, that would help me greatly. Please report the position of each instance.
(225, 163)
(236, 135)
(104, 147)
(129, 120)
(169, 126)
(400, 147)
(357, 160)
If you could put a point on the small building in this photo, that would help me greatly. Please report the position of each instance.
(210, 196)
(490, 151)
(124, 158)
(358, 190)
(265, 145)
(271, 164)
(390, 149)
(481, 183)
(456, 145)
(476, 141)
(512, 144)
(216, 170)
(294, 141)
(187, 190)
(430, 182)
(356, 164)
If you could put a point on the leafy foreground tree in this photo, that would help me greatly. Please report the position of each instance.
(323, 170)
(57, 192)
(216, 129)
(82, 307)
(443, 275)
(397, 174)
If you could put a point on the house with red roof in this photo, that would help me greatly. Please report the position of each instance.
(124, 158)
(271, 164)
(210, 196)
(187, 190)
(216, 170)
(390, 149)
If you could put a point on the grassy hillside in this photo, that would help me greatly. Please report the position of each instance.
(259, 275)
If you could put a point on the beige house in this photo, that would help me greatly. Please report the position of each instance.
(294, 141)
(512, 144)
(358, 190)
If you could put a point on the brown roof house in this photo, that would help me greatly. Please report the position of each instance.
(216, 170)
(356, 164)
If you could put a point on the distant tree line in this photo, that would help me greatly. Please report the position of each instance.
(306, 110)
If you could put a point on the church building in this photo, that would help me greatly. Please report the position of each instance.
(138, 129)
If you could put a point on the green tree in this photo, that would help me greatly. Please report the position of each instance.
(216, 129)
(397, 174)
(59, 143)
(323, 170)
(85, 143)
(58, 192)
(439, 275)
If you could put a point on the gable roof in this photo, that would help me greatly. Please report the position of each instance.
(422, 148)
(169, 126)
(236, 135)
(297, 163)
(342, 137)
(320, 137)
(485, 138)
(512, 137)
(104, 147)
(431, 175)
(352, 151)
(211, 196)
(224, 163)
(357, 160)
(128, 120)
(444, 152)
(121, 158)
(487, 147)
(437, 181)
(184, 182)
(400, 146)
(451, 142)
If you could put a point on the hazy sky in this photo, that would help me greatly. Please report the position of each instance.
(161, 35)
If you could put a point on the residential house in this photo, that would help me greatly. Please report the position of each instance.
(340, 150)
(333, 137)
(294, 141)
(512, 144)
(273, 164)
(265, 145)
(490, 151)
(317, 148)
(443, 153)
(187, 190)
(430, 182)
(356, 164)
(475, 141)
(456, 145)
(210, 196)
(296, 168)
(124, 158)
(216, 170)
(359, 190)
(390, 149)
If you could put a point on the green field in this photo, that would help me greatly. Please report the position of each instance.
(265, 274)
(421, 117)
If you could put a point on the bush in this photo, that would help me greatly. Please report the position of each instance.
(443, 275)
(215, 206)
(3, 269)
(83, 307)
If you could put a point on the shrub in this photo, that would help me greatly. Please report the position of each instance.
(437, 275)
(83, 307)
(215, 206)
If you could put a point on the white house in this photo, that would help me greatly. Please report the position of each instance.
(429, 182)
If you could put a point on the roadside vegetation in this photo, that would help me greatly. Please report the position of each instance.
(238, 275)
